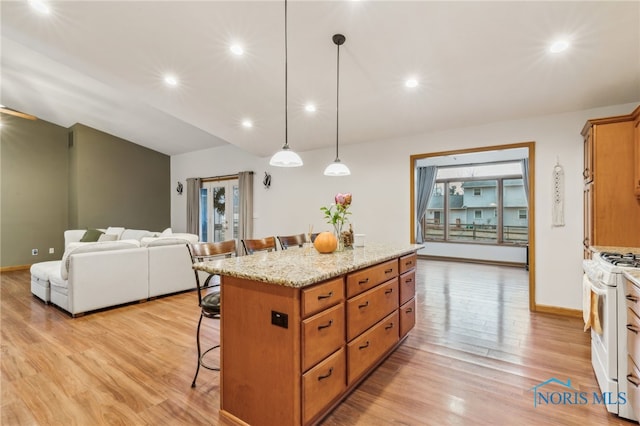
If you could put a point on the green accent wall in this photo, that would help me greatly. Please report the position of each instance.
(53, 178)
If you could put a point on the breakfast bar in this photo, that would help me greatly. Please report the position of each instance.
(300, 329)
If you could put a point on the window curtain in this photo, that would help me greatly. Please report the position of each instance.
(245, 220)
(193, 205)
(524, 164)
(426, 180)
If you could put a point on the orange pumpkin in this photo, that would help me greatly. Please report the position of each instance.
(326, 242)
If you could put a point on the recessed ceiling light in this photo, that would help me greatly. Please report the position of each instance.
(310, 108)
(247, 124)
(559, 46)
(171, 80)
(236, 49)
(40, 6)
(411, 82)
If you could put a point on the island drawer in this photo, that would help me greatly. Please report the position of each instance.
(322, 296)
(364, 351)
(407, 286)
(407, 317)
(408, 262)
(367, 278)
(370, 307)
(322, 384)
(633, 329)
(633, 382)
(322, 334)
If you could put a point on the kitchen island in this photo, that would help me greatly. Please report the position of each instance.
(300, 330)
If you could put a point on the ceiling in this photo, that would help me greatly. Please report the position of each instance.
(101, 63)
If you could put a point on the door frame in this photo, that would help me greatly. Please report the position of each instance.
(530, 146)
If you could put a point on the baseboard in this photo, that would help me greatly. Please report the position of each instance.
(465, 260)
(14, 268)
(556, 310)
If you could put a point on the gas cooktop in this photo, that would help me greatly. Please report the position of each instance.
(625, 260)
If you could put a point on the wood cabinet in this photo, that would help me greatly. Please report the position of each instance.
(632, 293)
(611, 208)
(636, 176)
(290, 355)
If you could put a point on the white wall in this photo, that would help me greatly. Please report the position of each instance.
(380, 186)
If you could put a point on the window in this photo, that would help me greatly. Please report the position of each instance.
(483, 203)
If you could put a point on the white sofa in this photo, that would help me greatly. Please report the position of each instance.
(136, 266)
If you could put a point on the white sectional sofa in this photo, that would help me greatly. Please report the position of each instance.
(135, 265)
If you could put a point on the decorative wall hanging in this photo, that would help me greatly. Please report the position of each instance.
(557, 208)
(179, 188)
(267, 180)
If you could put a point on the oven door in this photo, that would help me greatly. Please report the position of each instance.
(604, 346)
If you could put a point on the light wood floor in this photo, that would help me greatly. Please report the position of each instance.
(472, 359)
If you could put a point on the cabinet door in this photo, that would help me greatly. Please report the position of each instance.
(588, 156)
(588, 216)
(636, 179)
(323, 384)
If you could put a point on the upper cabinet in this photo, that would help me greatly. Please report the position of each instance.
(612, 180)
(636, 176)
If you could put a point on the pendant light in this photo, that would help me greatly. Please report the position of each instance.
(286, 157)
(337, 168)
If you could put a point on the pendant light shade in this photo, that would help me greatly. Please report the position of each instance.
(286, 157)
(337, 168)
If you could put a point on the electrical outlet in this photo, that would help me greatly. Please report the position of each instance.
(52, 250)
(34, 252)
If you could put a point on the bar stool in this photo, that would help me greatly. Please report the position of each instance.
(287, 241)
(259, 244)
(209, 291)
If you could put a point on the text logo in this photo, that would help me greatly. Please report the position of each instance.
(545, 393)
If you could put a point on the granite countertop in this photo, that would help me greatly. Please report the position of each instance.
(600, 249)
(633, 275)
(300, 267)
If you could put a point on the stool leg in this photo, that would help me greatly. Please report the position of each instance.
(193, 384)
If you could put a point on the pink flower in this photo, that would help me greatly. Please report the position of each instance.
(343, 200)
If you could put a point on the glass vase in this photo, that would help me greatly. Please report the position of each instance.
(338, 232)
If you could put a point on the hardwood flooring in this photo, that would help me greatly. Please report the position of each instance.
(473, 358)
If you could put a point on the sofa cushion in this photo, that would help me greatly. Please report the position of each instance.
(91, 235)
(108, 237)
(134, 234)
(115, 230)
(76, 248)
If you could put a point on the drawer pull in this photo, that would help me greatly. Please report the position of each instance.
(388, 271)
(633, 380)
(631, 298)
(325, 296)
(408, 311)
(366, 280)
(326, 375)
(409, 263)
(364, 305)
(408, 280)
(632, 328)
(389, 326)
(366, 345)
(388, 291)
(320, 327)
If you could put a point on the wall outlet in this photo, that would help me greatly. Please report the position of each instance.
(52, 250)
(34, 252)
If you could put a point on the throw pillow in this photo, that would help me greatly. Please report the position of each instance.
(166, 232)
(91, 235)
(108, 237)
